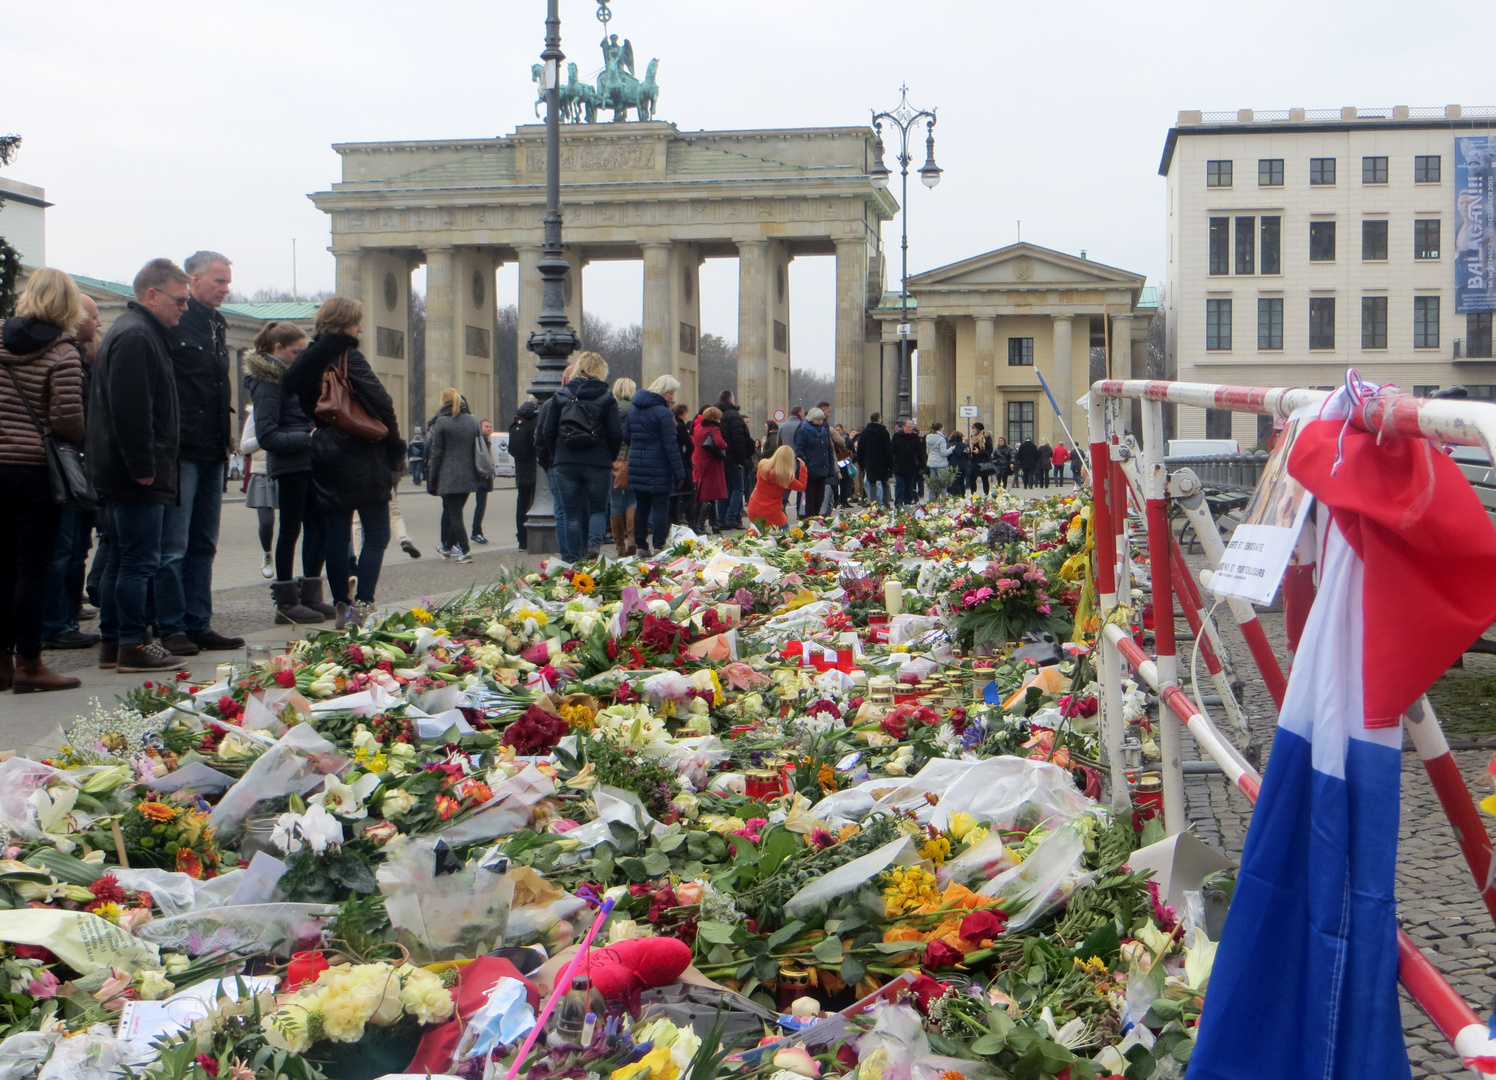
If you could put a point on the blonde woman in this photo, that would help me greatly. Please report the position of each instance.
(582, 434)
(777, 474)
(451, 471)
(621, 500)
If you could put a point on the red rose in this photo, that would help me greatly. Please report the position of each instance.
(847, 1055)
(286, 679)
(895, 725)
(940, 955)
(983, 925)
(536, 732)
(926, 990)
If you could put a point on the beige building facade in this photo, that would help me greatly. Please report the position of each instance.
(1305, 242)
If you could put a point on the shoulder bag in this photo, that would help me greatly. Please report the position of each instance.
(71, 487)
(482, 457)
(339, 407)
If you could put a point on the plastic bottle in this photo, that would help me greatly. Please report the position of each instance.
(571, 1015)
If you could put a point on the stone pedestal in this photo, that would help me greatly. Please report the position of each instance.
(851, 329)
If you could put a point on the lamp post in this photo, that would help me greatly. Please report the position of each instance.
(555, 341)
(903, 120)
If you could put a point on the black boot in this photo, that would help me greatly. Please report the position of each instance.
(311, 596)
(288, 607)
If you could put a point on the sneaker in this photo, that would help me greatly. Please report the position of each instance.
(443, 552)
(479, 538)
(108, 654)
(148, 657)
(72, 639)
(267, 567)
(410, 549)
(466, 556)
(216, 642)
(179, 645)
(87, 613)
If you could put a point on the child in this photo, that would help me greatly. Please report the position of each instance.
(776, 475)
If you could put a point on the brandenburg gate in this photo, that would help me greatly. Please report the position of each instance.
(637, 190)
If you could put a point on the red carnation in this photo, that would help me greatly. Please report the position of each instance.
(207, 1064)
(536, 732)
(107, 888)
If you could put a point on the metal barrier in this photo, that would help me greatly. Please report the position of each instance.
(1123, 471)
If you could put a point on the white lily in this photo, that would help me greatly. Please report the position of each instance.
(1070, 1036)
(320, 829)
(286, 835)
(53, 812)
(1199, 958)
(1157, 941)
(346, 800)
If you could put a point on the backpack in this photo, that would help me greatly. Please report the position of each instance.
(580, 422)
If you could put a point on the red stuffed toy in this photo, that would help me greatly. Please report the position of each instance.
(621, 971)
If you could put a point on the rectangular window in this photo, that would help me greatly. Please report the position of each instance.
(1270, 172)
(1321, 241)
(1322, 170)
(1478, 335)
(1020, 352)
(1218, 324)
(1425, 322)
(1373, 170)
(1423, 391)
(1272, 245)
(1270, 322)
(1374, 239)
(1427, 168)
(1220, 245)
(1218, 174)
(1246, 245)
(1020, 421)
(1373, 322)
(1426, 238)
(1321, 322)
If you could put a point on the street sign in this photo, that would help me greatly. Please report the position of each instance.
(969, 411)
(778, 416)
(906, 329)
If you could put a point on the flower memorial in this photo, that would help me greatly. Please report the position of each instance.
(853, 757)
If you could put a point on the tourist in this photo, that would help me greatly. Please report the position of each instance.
(1042, 465)
(813, 446)
(41, 393)
(283, 431)
(522, 450)
(739, 459)
(1026, 458)
(485, 483)
(771, 441)
(415, 453)
(683, 502)
(787, 432)
(936, 447)
(543, 457)
(841, 446)
(709, 462)
(132, 458)
(654, 463)
(923, 454)
(778, 474)
(259, 494)
(69, 561)
(959, 461)
(979, 451)
(451, 470)
(1003, 458)
(621, 499)
(904, 448)
(1076, 464)
(875, 459)
(349, 474)
(1058, 456)
(582, 433)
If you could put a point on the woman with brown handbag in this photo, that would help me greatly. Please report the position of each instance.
(356, 448)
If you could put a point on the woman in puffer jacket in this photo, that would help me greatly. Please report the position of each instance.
(654, 460)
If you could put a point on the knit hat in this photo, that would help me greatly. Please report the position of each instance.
(815, 414)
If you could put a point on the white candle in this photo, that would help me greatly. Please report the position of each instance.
(893, 596)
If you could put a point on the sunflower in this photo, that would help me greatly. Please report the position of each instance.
(421, 615)
(157, 811)
(583, 583)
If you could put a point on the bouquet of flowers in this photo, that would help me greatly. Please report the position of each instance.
(1001, 604)
(347, 997)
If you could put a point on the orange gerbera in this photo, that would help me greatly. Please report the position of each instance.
(157, 811)
(188, 863)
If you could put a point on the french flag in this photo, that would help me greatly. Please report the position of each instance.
(1305, 979)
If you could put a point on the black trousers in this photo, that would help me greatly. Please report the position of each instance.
(300, 516)
(524, 496)
(454, 534)
(480, 507)
(28, 531)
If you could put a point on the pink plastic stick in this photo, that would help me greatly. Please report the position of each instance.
(563, 984)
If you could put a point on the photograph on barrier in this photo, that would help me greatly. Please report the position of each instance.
(1260, 549)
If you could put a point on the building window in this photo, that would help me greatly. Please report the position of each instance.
(1246, 245)
(1218, 324)
(1373, 322)
(1373, 170)
(1321, 241)
(1322, 170)
(1321, 322)
(1218, 174)
(1424, 391)
(1020, 421)
(1220, 245)
(1270, 322)
(1374, 239)
(1272, 245)
(1020, 352)
(1427, 169)
(1426, 239)
(1270, 172)
(1478, 335)
(1425, 322)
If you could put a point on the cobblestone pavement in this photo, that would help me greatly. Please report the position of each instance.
(1438, 904)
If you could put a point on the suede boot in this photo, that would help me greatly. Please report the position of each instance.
(32, 676)
(628, 530)
(288, 608)
(311, 596)
(616, 523)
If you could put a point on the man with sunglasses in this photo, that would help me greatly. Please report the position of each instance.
(132, 454)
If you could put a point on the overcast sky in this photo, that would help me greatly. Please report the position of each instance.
(161, 127)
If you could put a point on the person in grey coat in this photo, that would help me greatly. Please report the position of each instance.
(451, 470)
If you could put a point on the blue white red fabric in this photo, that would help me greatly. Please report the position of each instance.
(1305, 980)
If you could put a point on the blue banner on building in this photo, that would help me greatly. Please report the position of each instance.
(1475, 223)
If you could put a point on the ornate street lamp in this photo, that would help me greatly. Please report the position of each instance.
(903, 120)
(555, 341)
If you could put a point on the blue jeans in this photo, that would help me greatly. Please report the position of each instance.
(374, 519)
(65, 575)
(904, 489)
(136, 535)
(189, 542)
(584, 493)
(621, 501)
(730, 509)
(558, 511)
(878, 491)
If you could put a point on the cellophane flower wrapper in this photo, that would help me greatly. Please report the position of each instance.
(277, 929)
(1042, 881)
(851, 878)
(296, 764)
(507, 812)
(443, 916)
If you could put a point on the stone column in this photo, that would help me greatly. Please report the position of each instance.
(753, 344)
(851, 328)
(1062, 380)
(349, 274)
(682, 339)
(531, 297)
(385, 287)
(1121, 344)
(889, 405)
(571, 288)
(658, 342)
(777, 327)
(927, 381)
(443, 362)
(985, 346)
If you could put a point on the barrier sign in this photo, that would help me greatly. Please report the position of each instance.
(1261, 547)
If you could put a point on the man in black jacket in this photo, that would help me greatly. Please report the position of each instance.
(875, 459)
(906, 446)
(200, 363)
(132, 444)
(739, 456)
(522, 450)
